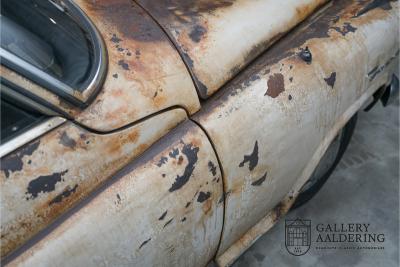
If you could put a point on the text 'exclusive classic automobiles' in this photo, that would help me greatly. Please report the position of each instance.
(176, 133)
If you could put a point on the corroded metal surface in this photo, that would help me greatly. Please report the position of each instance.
(163, 209)
(218, 38)
(268, 125)
(46, 177)
(145, 72)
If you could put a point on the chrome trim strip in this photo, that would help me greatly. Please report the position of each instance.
(7, 91)
(100, 53)
(30, 135)
(35, 74)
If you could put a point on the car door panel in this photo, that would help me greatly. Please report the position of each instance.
(271, 124)
(267, 129)
(218, 38)
(163, 209)
(46, 177)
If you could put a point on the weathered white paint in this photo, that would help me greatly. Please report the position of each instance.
(137, 220)
(293, 128)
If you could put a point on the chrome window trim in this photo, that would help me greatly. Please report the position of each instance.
(38, 103)
(30, 135)
(91, 86)
(24, 100)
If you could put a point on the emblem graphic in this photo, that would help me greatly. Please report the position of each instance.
(297, 236)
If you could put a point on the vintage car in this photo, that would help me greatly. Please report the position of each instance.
(176, 133)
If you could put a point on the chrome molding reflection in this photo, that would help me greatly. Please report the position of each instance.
(97, 77)
(30, 135)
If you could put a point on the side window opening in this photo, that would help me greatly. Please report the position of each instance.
(55, 45)
(16, 119)
(22, 119)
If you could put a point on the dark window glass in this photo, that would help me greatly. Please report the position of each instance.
(44, 34)
(15, 119)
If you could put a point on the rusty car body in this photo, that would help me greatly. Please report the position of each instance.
(208, 119)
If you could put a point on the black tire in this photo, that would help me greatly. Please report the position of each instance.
(318, 179)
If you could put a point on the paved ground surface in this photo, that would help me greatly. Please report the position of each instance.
(363, 189)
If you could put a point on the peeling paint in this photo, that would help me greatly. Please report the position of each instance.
(13, 162)
(163, 216)
(67, 141)
(203, 196)
(345, 29)
(212, 168)
(331, 79)
(44, 184)
(66, 193)
(191, 154)
(144, 243)
(252, 158)
(204, 32)
(260, 181)
(168, 222)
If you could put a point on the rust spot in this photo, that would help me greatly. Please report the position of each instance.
(276, 85)
(187, 11)
(278, 211)
(13, 162)
(174, 153)
(252, 159)
(118, 199)
(207, 206)
(212, 168)
(259, 181)
(197, 33)
(162, 161)
(131, 22)
(66, 193)
(123, 64)
(43, 184)
(115, 39)
(331, 79)
(180, 160)
(67, 141)
(347, 27)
